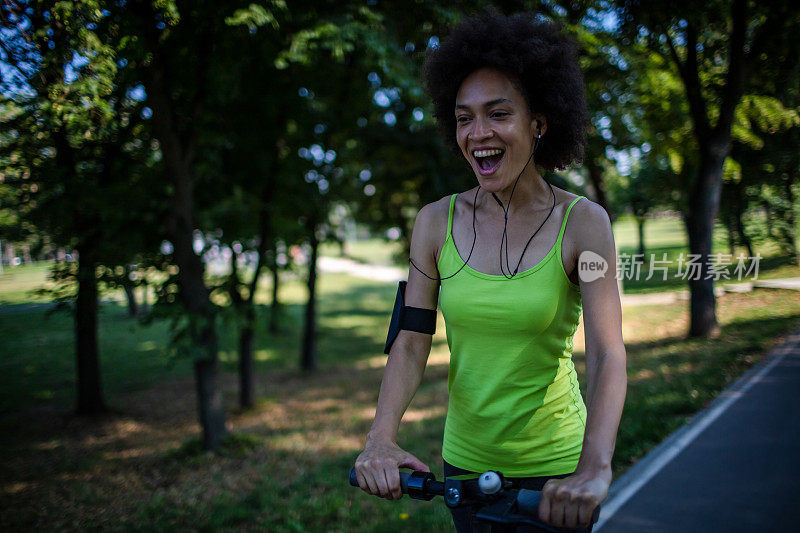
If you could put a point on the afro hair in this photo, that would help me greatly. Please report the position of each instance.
(538, 59)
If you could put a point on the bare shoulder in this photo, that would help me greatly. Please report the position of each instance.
(430, 226)
(589, 228)
(588, 211)
(434, 211)
(432, 218)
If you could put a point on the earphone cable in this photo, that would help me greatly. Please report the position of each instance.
(505, 228)
(474, 239)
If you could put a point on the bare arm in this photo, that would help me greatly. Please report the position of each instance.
(570, 502)
(377, 466)
(401, 378)
(605, 351)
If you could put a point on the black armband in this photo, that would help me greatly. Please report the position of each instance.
(409, 318)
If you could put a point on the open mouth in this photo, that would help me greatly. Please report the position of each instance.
(488, 160)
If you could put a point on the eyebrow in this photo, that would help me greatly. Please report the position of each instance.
(490, 103)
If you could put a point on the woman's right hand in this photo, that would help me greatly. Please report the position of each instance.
(377, 468)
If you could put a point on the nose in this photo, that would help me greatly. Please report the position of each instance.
(480, 129)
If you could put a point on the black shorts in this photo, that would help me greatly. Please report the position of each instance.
(463, 516)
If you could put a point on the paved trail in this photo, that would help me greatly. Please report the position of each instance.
(735, 467)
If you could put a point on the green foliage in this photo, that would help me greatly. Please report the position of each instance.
(255, 15)
(764, 113)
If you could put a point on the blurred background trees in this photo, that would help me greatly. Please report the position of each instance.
(191, 145)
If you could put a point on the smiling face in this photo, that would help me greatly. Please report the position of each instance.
(495, 128)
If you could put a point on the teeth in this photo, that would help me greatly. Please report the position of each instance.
(487, 153)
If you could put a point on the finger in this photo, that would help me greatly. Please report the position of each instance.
(383, 484)
(412, 462)
(369, 481)
(585, 514)
(362, 482)
(558, 509)
(571, 514)
(393, 481)
(545, 503)
(557, 513)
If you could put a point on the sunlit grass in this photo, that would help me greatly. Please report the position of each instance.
(375, 251)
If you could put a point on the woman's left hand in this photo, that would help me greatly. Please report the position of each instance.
(570, 502)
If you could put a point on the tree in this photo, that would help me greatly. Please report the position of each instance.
(73, 148)
(714, 48)
(256, 102)
(174, 46)
(763, 171)
(334, 57)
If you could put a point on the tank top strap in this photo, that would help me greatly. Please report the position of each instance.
(564, 224)
(450, 216)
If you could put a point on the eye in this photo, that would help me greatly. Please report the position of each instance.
(462, 119)
(499, 114)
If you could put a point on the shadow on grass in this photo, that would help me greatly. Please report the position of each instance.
(296, 494)
(351, 325)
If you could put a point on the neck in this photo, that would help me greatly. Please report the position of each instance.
(531, 191)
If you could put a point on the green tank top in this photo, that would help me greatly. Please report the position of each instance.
(514, 405)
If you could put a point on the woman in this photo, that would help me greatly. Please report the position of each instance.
(504, 89)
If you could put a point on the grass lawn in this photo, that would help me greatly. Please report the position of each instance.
(17, 284)
(285, 467)
(666, 238)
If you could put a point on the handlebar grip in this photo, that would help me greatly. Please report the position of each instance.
(528, 502)
(403, 480)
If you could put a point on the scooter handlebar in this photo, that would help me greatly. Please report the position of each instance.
(403, 480)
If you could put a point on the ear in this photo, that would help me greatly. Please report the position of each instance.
(539, 124)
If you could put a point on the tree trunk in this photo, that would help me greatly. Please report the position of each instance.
(731, 232)
(714, 143)
(743, 238)
(768, 216)
(309, 356)
(640, 226)
(245, 307)
(703, 208)
(178, 151)
(209, 402)
(90, 392)
(275, 305)
(144, 307)
(246, 367)
(133, 309)
(596, 177)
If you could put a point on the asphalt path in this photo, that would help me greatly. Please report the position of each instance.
(735, 467)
